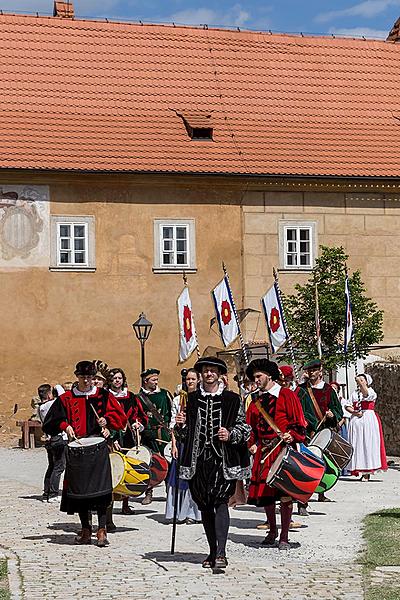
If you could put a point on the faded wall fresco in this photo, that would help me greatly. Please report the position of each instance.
(24, 226)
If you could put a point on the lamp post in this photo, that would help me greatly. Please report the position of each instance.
(142, 328)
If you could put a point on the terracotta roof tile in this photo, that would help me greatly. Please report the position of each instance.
(96, 95)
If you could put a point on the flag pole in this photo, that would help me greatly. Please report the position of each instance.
(289, 338)
(317, 320)
(242, 343)
(185, 283)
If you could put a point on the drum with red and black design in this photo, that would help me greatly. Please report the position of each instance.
(295, 474)
(158, 469)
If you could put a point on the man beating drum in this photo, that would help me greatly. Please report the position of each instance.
(276, 418)
(325, 405)
(86, 413)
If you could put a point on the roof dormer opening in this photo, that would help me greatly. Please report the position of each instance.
(202, 133)
(198, 124)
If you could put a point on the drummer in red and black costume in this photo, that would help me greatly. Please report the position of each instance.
(284, 407)
(330, 410)
(72, 413)
(137, 420)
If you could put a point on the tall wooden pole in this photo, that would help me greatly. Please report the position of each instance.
(242, 343)
(289, 339)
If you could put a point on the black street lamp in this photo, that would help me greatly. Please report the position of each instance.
(142, 328)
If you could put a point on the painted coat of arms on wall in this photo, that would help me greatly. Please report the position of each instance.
(24, 225)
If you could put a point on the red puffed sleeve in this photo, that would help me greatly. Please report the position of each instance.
(135, 411)
(252, 416)
(116, 418)
(289, 415)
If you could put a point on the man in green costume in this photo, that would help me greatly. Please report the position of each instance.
(156, 403)
(318, 394)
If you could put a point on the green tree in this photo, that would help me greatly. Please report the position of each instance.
(329, 274)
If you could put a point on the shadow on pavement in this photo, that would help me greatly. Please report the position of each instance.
(60, 540)
(33, 497)
(164, 556)
(255, 542)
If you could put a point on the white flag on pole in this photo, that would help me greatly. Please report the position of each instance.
(273, 315)
(187, 330)
(225, 313)
(348, 332)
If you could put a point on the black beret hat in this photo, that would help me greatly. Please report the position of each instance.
(85, 367)
(148, 372)
(265, 366)
(213, 361)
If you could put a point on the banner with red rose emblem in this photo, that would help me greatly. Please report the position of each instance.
(187, 331)
(223, 302)
(273, 315)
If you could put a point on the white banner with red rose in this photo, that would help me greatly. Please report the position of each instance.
(225, 313)
(273, 315)
(187, 330)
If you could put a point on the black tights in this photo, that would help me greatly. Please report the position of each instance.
(86, 519)
(216, 525)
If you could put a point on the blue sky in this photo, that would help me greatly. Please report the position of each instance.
(372, 18)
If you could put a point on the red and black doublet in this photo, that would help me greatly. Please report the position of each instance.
(134, 411)
(91, 471)
(284, 407)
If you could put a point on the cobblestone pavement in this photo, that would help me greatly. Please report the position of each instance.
(138, 565)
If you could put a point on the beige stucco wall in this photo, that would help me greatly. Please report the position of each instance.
(367, 225)
(53, 319)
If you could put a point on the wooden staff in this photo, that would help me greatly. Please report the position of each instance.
(289, 338)
(243, 345)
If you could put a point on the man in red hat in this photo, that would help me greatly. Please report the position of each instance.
(215, 454)
(86, 413)
(285, 423)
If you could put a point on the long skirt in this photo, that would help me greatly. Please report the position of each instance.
(366, 437)
(187, 508)
(208, 486)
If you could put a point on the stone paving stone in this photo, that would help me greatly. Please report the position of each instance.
(138, 566)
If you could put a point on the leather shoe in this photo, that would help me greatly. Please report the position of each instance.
(102, 540)
(221, 562)
(270, 540)
(148, 498)
(84, 536)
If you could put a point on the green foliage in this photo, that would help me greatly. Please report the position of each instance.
(329, 274)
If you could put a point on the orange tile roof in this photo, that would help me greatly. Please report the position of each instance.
(104, 96)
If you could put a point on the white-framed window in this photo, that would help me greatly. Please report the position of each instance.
(297, 245)
(174, 245)
(72, 243)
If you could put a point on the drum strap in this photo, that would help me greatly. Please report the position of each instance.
(267, 417)
(315, 404)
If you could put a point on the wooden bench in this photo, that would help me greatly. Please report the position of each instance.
(28, 432)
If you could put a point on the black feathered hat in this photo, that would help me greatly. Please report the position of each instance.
(85, 367)
(214, 361)
(265, 366)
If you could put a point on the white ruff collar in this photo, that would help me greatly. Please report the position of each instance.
(274, 391)
(148, 393)
(89, 393)
(219, 391)
(121, 394)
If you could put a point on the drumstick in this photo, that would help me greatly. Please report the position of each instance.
(77, 440)
(269, 453)
(97, 417)
(162, 441)
(320, 423)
